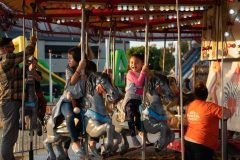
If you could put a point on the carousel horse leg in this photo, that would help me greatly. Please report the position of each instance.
(125, 145)
(141, 134)
(93, 152)
(116, 141)
(162, 141)
(60, 150)
(109, 138)
(52, 137)
(171, 136)
(51, 154)
(96, 130)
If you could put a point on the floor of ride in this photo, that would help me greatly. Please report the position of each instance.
(150, 154)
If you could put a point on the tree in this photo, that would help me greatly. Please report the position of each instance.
(155, 57)
(184, 47)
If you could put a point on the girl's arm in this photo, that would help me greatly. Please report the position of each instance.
(76, 75)
(138, 81)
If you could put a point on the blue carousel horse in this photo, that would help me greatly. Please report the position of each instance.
(154, 118)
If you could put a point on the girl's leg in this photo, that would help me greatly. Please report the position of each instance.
(130, 117)
(137, 114)
(67, 111)
(130, 113)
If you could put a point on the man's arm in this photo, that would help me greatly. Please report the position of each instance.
(29, 50)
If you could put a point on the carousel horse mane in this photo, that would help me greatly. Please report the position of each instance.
(156, 80)
(162, 81)
(94, 79)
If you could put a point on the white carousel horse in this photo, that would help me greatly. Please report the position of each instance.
(90, 122)
(99, 122)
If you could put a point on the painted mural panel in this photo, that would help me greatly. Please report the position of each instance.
(231, 84)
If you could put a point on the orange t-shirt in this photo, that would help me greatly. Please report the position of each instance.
(203, 123)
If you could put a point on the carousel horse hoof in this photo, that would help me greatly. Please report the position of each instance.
(49, 158)
(115, 149)
(62, 157)
(136, 142)
(94, 152)
(123, 149)
(158, 146)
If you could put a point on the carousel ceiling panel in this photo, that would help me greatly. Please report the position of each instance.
(118, 15)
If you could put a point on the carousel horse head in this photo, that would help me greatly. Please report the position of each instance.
(159, 84)
(101, 83)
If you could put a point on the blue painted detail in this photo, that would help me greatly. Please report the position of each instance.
(31, 104)
(96, 116)
(151, 113)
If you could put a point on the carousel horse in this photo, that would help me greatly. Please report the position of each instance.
(89, 118)
(154, 119)
(99, 122)
(59, 135)
(174, 121)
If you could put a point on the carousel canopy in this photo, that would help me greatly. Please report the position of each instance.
(126, 18)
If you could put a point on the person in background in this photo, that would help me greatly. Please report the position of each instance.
(42, 102)
(201, 137)
(56, 95)
(11, 93)
(134, 91)
(186, 85)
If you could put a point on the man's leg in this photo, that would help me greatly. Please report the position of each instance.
(10, 129)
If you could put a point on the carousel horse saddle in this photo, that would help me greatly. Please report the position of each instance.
(98, 117)
(148, 112)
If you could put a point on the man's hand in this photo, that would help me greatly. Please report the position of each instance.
(30, 68)
(33, 41)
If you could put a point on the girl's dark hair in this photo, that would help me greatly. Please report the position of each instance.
(201, 91)
(76, 54)
(138, 56)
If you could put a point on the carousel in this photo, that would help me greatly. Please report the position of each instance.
(213, 23)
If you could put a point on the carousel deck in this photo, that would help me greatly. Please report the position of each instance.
(151, 154)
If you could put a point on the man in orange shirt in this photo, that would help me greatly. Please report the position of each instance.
(201, 137)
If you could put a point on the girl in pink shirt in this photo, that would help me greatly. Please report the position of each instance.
(134, 90)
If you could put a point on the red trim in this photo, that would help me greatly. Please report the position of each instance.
(115, 2)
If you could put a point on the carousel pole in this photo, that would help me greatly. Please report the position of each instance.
(83, 34)
(180, 80)
(109, 50)
(223, 121)
(31, 155)
(23, 82)
(164, 54)
(99, 44)
(82, 44)
(113, 54)
(146, 56)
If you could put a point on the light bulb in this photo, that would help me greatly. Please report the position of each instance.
(73, 6)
